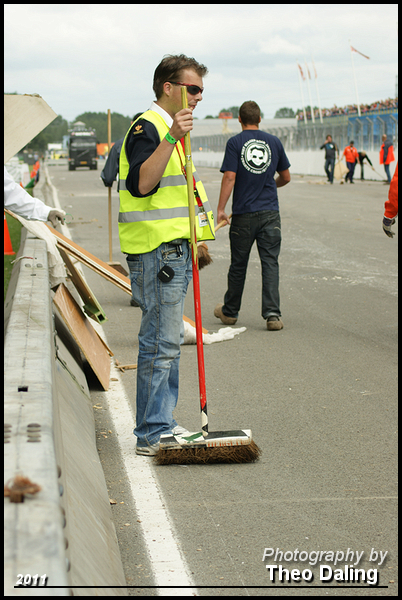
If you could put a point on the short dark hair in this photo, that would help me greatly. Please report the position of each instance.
(169, 69)
(250, 113)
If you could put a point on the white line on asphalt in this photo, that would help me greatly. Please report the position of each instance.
(168, 565)
(167, 562)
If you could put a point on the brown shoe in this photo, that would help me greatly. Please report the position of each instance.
(274, 323)
(219, 314)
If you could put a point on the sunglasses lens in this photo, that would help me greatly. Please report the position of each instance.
(194, 89)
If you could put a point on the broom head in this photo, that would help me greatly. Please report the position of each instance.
(217, 447)
(204, 257)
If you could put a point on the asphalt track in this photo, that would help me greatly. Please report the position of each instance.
(320, 397)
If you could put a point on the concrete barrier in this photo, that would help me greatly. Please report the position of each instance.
(63, 535)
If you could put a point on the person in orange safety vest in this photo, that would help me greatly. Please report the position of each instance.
(35, 171)
(387, 155)
(351, 155)
(391, 206)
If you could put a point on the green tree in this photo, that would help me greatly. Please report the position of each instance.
(52, 134)
(285, 113)
(98, 121)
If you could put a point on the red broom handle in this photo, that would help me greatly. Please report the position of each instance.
(196, 277)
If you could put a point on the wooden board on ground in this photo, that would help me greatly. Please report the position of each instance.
(91, 306)
(84, 334)
(98, 265)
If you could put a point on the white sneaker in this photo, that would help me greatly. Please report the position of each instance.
(147, 450)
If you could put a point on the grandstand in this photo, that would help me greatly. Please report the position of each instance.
(366, 130)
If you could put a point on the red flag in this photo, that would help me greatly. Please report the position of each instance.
(361, 54)
(308, 71)
(301, 72)
(315, 72)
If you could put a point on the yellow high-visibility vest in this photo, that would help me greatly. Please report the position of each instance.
(147, 222)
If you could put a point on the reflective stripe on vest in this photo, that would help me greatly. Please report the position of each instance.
(165, 181)
(159, 213)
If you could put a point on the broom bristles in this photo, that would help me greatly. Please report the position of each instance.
(242, 453)
(204, 257)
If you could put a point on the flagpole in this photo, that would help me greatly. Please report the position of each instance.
(354, 77)
(318, 95)
(309, 93)
(301, 91)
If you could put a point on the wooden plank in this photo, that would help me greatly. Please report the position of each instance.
(91, 306)
(92, 261)
(84, 334)
(99, 266)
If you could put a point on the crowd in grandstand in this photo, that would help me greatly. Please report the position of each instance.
(350, 109)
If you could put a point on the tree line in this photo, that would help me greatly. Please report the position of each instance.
(120, 124)
(54, 132)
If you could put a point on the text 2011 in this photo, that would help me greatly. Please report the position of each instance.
(31, 581)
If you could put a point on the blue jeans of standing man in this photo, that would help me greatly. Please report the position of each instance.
(329, 168)
(263, 227)
(160, 334)
(349, 175)
(387, 172)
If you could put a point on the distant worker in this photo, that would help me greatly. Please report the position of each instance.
(23, 204)
(251, 160)
(111, 168)
(351, 156)
(154, 233)
(331, 149)
(391, 206)
(387, 155)
(35, 172)
(362, 157)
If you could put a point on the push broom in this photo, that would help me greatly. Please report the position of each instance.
(235, 446)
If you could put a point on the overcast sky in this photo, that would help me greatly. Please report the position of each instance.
(91, 57)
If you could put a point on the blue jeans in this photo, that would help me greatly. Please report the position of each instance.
(387, 172)
(329, 168)
(349, 175)
(264, 227)
(159, 337)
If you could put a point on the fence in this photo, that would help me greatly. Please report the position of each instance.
(366, 131)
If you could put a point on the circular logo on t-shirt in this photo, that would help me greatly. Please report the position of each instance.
(256, 156)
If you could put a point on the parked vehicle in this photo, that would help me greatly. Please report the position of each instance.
(82, 147)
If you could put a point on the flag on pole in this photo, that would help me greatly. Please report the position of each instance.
(301, 72)
(316, 87)
(315, 72)
(361, 54)
(308, 71)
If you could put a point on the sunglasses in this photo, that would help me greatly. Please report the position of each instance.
(192, 89)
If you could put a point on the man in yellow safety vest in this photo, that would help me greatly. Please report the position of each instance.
(154, 233)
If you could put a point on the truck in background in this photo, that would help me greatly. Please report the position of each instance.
(82, 147)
